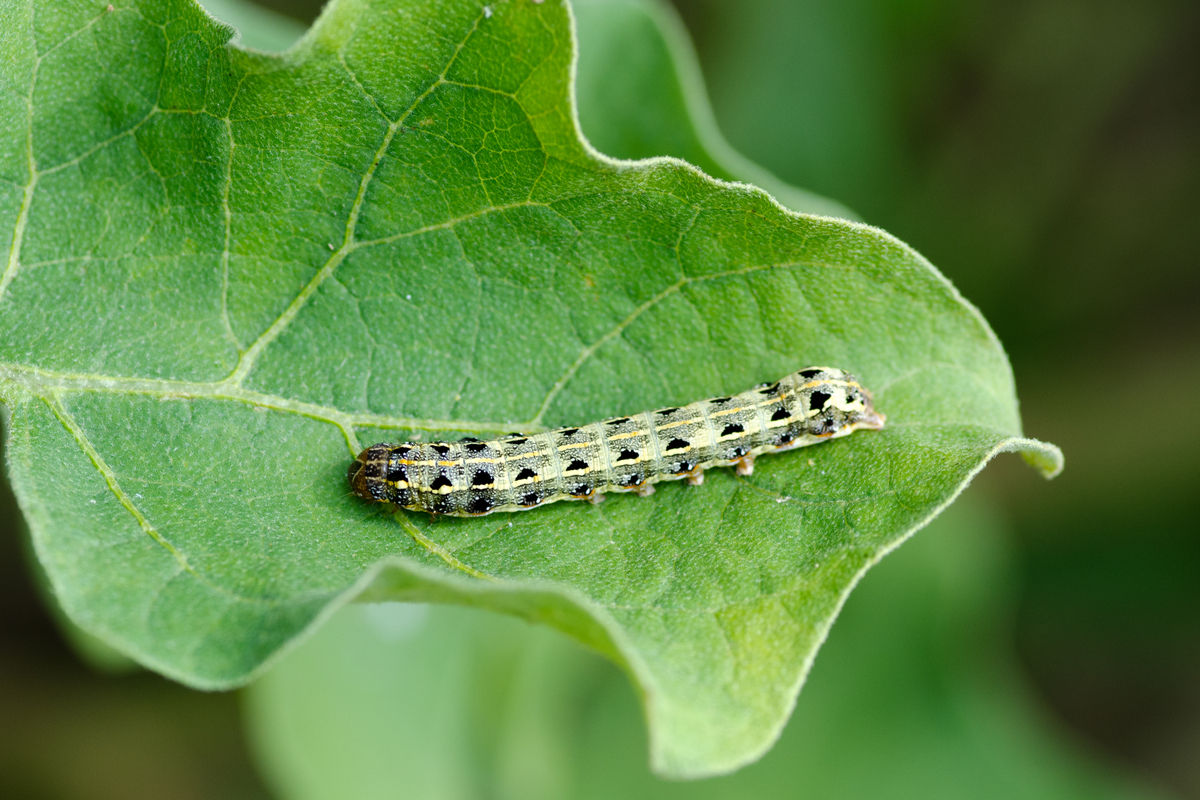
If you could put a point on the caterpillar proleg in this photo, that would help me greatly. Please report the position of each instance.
(470, 478)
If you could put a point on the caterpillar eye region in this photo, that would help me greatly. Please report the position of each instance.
(471, 478)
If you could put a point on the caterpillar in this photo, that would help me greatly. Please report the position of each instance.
(471, 478)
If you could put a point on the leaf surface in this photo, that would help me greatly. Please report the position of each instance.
(915, 694)
(229, 270)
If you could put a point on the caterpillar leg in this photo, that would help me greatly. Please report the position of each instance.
(745, 466)
(645, 490)
(595, 499)
(696, 478)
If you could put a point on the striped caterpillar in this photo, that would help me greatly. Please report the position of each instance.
(470, 478)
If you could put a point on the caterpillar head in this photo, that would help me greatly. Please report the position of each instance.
(367, 475)
(835, 404)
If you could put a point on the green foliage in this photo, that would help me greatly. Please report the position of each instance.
(640, 94)
(229, 270)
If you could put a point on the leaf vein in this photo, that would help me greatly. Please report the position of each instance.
(621, 326)
(435, 548)
(45, 382)
(228, 220)
(110, 479)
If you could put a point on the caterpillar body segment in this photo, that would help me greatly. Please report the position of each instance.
(471, 478)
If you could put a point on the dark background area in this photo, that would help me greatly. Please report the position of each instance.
(1046, 157)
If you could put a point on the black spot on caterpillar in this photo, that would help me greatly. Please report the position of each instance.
(807, 407)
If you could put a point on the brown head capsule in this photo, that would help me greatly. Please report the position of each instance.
(368, 473)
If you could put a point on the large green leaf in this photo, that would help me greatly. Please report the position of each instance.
(229, 270)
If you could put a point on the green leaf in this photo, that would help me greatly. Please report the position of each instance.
(229, 270)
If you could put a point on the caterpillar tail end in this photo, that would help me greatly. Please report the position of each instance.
(873, 421)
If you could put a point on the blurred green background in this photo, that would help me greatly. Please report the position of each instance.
(1039, 640)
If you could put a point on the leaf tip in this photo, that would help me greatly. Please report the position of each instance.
(1046, 458)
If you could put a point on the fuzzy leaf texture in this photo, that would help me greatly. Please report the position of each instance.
(229, 270)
